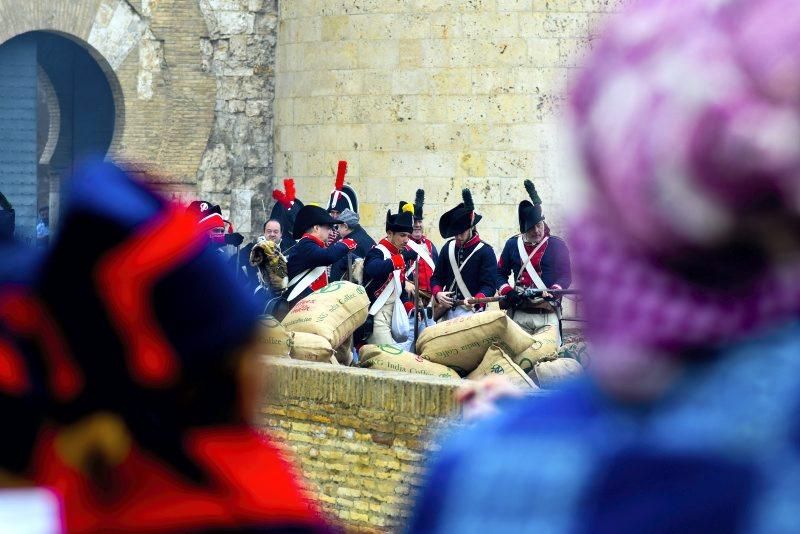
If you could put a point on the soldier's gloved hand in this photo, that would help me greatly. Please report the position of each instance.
(408, 254)
(234, 239)
(351, 245)
(513, 298)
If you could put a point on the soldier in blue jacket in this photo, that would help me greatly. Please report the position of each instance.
(536, 260)
(467, 266)
(307, 265)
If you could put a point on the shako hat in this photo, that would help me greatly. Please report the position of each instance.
(460, 218)
(343, 195)
(403, 220)
(309, 216)
(530, 212)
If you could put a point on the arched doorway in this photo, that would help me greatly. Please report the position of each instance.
(57, 108)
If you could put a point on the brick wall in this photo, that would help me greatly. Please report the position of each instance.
(439, 94)
(360, 436)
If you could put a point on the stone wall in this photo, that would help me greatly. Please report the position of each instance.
(360, 436)
(440, 94)
(236, 169)
(193, 86)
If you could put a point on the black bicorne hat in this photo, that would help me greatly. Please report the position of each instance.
(403, 221)
(343, 195)
(530, 214)
(460, 218)
(419, 202)
(309, 216)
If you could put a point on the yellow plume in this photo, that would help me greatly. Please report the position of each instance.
(408, 208)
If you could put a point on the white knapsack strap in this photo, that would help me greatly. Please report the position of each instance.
(457, 278)
(303, 281)
(422, 252)
(527, 265)
(391, 287)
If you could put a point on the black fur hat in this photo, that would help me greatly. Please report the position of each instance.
(530, 212)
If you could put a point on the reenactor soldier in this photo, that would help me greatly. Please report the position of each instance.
(426, 252)
(310, 258)
(342, 197)
(537, 260)
(384, 277)
(467, 266)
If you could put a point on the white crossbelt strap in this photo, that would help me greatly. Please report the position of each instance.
(303, 281)
(527, 265)
(422, 251)
(458, 279)
(390, 287)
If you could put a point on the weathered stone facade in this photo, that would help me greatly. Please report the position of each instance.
(440, 94)
(360, 436)
(192, 82)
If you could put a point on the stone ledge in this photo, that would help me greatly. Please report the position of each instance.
(377, 390)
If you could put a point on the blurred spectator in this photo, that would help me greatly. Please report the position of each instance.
(687, 122)
(159, 375)
(43, 227)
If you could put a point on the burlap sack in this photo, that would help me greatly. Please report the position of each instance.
(391, 358)
(273, 339)
(550, 373)
(311, 348)
(333, 312)
(497, 362)
(462, 342)
(545, 345)
(577, 351)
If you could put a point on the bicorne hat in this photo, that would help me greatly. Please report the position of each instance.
(343, 195)
(403, 221)
(530, 212)
(309, 216)
(460, 218)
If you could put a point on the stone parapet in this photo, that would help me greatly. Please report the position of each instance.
(360, 436)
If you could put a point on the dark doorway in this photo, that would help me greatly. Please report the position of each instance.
(56, 109)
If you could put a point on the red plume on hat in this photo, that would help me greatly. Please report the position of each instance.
(285, 198)
(341, 170)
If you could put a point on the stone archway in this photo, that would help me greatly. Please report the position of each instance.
(165, 96)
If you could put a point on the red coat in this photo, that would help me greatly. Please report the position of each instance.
(251, 485)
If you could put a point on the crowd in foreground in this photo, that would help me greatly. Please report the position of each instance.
(127, 375)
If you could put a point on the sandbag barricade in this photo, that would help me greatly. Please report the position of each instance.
(392, 358)
(551, 372)
(461, 343)
(545, 345)
(273, 339)
(311, 347)
(497, 362)
(576, 350)
(333, 312)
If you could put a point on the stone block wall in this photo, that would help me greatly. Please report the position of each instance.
(440, 94)
(360, 436)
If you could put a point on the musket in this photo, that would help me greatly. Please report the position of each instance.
(416, 302)
(349, 266)
(528, 293)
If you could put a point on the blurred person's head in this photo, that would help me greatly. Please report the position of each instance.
(272, 231)
(689, 136)
(163, 341)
